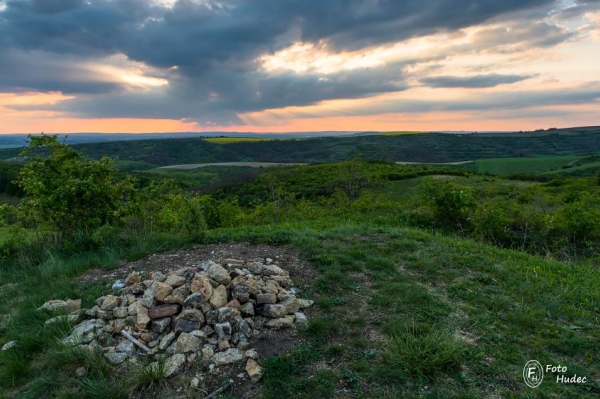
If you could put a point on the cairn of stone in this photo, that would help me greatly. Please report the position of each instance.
(209, 313)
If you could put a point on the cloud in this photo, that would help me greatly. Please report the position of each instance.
(536, 34)
(430, 101)
(54, 6)
(201, 59)
(47, 72)
(477, 81)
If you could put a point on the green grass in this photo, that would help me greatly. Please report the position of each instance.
(422, 351)
(510, 166)
(454, 316)
(399, 311)
(230, 140)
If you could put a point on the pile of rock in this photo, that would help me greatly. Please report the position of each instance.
(210, 312)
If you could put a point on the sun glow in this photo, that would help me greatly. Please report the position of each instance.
(119, 68)
(140, 80)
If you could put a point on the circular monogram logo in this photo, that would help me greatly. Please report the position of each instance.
(533, 374)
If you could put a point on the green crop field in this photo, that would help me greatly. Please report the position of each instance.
(510, 166)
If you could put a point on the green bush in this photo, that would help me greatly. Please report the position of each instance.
(451, 203)
(579, 221)
(8, 215)
(510, 225)
(494, 222)
(65, 192)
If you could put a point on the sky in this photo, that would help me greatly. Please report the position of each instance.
(298, 65)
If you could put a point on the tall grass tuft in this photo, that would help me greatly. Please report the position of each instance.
(147, 377)
(101, 389)
(423, 352)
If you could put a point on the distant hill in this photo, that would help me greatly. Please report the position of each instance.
(15, 140)
(431, 147)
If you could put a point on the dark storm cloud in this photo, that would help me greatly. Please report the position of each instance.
(225, 94)
(477, 81)
(54, 6)
(215, 45)
(196, 34)
(84, 29)
(43, 71)
(490, 101)
(354, 24)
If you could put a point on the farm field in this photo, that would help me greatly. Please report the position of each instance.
(509, 166)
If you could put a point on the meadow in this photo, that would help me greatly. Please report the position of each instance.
(428, 281)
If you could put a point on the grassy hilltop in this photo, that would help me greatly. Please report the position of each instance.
(428, 281)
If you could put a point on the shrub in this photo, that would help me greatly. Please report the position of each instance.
(67, 193)
(579, 221)
(510, 225)
(8, 215)
(451, 202)
(493, 222)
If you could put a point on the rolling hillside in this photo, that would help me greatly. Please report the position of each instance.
(432, 147)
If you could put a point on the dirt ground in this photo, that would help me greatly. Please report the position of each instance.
(268, 343)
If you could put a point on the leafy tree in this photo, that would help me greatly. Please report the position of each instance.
(66, 192)
(354, 176)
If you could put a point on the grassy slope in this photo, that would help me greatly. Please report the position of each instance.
(588, 169)
(586, 166)
(400, 313)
